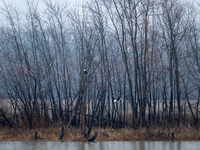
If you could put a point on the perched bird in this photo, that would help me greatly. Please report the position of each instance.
(116, 98)
(85, 71)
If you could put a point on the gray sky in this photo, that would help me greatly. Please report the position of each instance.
(72, 3)
(22, 3)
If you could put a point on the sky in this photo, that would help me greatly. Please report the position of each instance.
(21, 4)
(72, 3)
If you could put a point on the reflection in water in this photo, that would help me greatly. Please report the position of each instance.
(137, 145)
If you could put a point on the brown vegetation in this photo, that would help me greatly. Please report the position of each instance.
(125, 134)
(118, 131)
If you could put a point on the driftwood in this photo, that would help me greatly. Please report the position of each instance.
(172, 139)
(93, 138)
(62, 133)
(36, 137)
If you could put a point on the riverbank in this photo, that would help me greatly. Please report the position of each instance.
(53, 134)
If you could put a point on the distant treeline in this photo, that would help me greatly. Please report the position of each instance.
(109, 64)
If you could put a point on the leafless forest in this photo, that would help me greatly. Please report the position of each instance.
(145, 52)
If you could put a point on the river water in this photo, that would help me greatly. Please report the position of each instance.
(137, 145)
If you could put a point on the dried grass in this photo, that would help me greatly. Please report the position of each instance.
(154, 132)
(109, 134)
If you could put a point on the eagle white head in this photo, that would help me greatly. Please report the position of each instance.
(85, 71)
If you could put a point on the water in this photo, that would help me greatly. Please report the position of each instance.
(138, 145)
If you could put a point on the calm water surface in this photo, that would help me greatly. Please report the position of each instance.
(138, 145)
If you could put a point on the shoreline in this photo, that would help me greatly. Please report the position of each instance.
(105, 135)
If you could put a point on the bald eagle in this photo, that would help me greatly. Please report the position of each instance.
(85, 71)
(116, 98)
